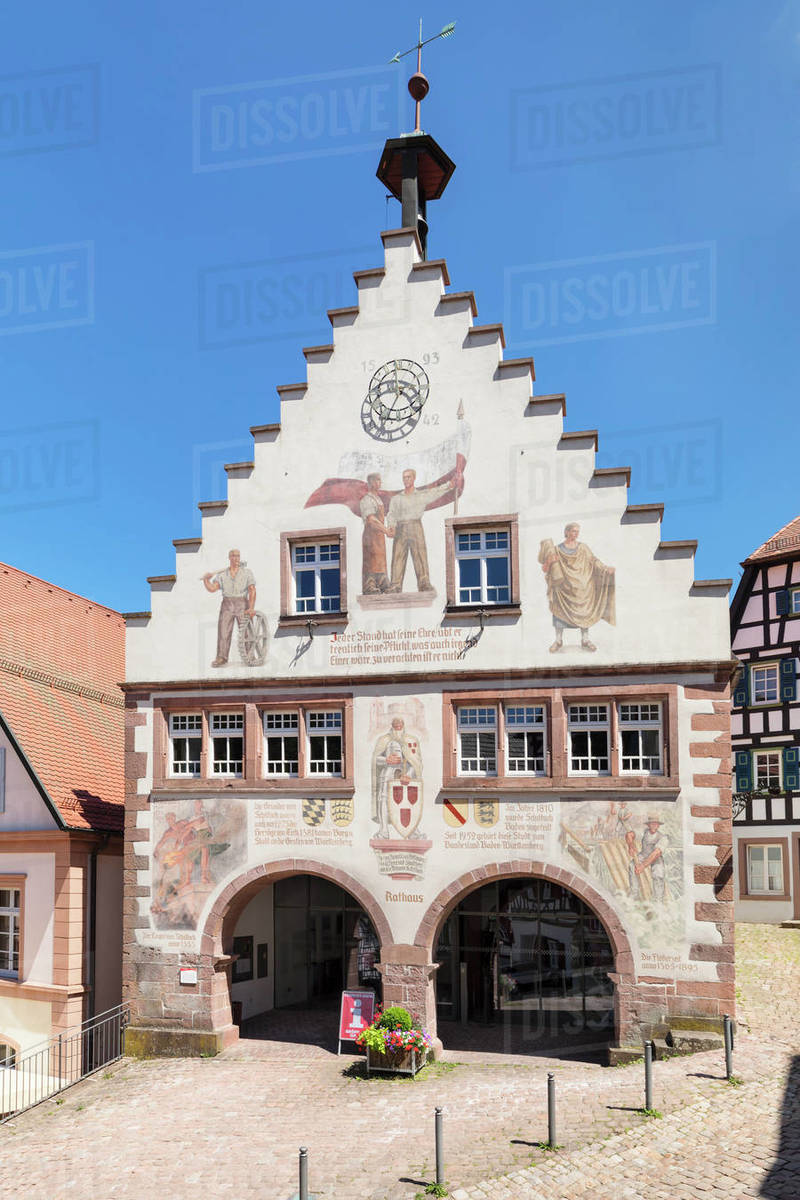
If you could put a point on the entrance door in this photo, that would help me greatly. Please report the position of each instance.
(529, 951)
(324, 942)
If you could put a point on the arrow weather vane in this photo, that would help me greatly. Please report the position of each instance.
(418, 84)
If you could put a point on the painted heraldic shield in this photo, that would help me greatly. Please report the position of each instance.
(405, 807)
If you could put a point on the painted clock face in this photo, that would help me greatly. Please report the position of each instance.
(395, 398)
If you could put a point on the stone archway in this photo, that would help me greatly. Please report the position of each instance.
(623, 976)
(217, 936)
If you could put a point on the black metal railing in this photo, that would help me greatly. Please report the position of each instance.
(48, 1068)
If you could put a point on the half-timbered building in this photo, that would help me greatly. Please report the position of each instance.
(765, 633)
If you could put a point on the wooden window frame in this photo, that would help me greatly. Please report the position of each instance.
(453, 525)
(760, 665)
(478, 729)
(762, 752)
(311, 537)
(557, 777)
(253, 778)
(744, 883)
(171, 772)
(639, 726)
(525, 728)
(18, 883)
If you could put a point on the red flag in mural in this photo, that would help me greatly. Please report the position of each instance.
(350, 492)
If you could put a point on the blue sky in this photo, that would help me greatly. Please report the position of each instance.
(625, 201)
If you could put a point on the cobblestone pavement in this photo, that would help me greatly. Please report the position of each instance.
(231, 1126)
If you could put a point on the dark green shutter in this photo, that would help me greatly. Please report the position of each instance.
(741, 696)
(791, 768)
(788, 676)
(744, 771)
(782, 602)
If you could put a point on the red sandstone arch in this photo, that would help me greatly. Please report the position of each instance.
(234, 898)
(623, 976)
(229, 905)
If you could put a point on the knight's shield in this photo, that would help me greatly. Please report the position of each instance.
(405, 807)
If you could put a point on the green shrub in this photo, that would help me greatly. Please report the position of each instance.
(396, 1018)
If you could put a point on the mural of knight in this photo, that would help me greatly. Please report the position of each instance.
(471, 748)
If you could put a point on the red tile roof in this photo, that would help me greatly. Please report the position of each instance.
(61, 660)
(783, 543)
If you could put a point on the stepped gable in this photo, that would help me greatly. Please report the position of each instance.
(431, 278)
(61, 661)
(782, 544)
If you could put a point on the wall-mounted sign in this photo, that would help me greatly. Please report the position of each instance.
(188, 975)
(356, 1014)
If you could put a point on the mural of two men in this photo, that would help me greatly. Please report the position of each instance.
(396, 516)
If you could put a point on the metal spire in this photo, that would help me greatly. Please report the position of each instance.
(418, 85)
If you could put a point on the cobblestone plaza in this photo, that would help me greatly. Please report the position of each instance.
(231, 1126)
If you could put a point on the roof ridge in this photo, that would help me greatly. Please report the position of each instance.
(772, 544)
(62, 682)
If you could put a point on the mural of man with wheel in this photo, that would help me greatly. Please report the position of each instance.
(238, 589)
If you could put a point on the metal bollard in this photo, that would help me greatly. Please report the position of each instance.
(303, 1195)
(648, 1075)
(551, 1110)
(727, 1029)
(438, 1126)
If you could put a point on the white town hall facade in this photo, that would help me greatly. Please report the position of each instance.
(428, 708)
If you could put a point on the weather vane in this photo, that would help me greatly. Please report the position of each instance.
(418, 85)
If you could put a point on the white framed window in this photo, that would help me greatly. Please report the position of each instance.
(641, 738)
(477, 740)
(589, 734)
(8, 1056)
(281, 743)
(794, 600)
(10, 902)
(483, 566)
(316, 576)
(324, 732)
(525, 739)
(764, 869)
(764, 685)
(767, 770)
(227, 743)
(185, 743)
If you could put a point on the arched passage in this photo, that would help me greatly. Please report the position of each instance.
(530, 942)
(300, 930)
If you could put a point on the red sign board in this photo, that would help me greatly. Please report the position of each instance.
(356, 1014)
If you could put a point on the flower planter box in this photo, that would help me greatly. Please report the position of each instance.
(395, 1064)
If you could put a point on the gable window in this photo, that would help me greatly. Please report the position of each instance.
(317, 577)
(477, 740)
(10, 911)
(186, 743)
(589, 732)
(227, 743)
(767, 770)
(483, 566)
(640, 738)
(525, 739)
(482, 561)
(764, 869)
(764, 684)
(324, 731)
(281, 743)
